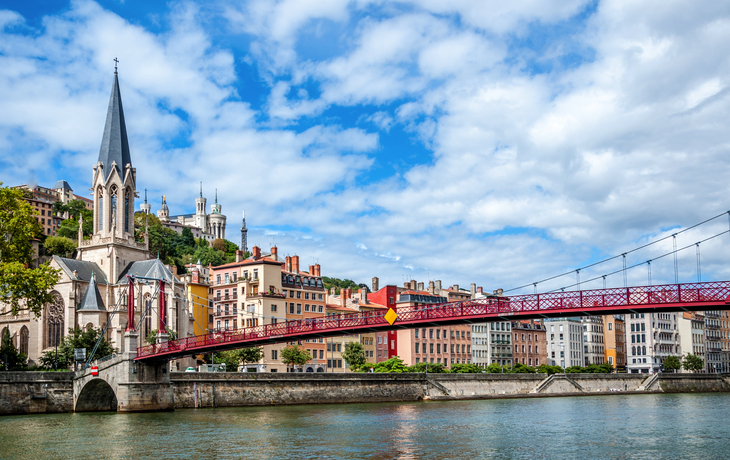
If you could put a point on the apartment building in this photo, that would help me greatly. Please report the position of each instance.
(565, 342)
(197, 289)
(266, 289)
(691, 327)
(651, 338)
(725, 341)
(529, 343)
(593, 340)
(614, 334)
(42, 201)
(713, 342)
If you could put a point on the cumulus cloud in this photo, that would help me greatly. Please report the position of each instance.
(549, 134)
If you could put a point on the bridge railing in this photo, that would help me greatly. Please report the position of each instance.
(717, 291)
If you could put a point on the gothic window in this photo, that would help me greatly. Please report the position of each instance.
(113, 209)
(54, 321)
(100, 208)
(24, 340)
(126, 212)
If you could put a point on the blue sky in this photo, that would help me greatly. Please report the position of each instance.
(468, 141)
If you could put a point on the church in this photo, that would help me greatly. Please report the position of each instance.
(91, 291)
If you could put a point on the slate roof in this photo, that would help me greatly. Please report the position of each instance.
(114, 144)
(152, 268)
(92, 300)
(84, 268)
(62, 184)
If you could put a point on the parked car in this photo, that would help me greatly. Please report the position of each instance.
(190, 369)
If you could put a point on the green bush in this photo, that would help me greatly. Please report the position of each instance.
(466, 369)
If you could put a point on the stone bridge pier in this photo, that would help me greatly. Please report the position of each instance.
(124, 385)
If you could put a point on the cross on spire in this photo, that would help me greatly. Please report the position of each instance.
(116, 62)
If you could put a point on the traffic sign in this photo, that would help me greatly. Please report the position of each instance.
(94, 370)
(391, 316)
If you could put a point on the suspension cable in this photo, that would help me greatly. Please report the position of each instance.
(623, 254)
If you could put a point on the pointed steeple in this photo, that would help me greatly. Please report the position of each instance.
(92, 300)
(145, 196)
(114, 144)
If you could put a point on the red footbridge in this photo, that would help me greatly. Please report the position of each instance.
(644, 299)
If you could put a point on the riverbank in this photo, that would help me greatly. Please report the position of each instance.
(52, 392)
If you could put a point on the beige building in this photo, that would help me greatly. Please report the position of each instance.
(266, 289)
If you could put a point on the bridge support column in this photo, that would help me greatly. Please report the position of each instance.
(147, 387)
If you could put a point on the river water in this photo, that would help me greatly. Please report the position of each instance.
(681, 426)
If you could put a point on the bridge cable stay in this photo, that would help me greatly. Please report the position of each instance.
(106, 327)
(699, 268)
(638, 264)
(625, 253)
(676, 266)
(123, 295)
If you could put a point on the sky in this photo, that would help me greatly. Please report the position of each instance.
(488, 142)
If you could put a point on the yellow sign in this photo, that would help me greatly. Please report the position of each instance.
(391, 316)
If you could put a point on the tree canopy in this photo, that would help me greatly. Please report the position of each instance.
(77, 338)
(295, 355)
(22, 287)
(693, 363)
(671, 363)
(10, 358)
(339, 284)
(354, 355)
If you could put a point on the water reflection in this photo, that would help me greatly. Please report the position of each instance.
(615, 427)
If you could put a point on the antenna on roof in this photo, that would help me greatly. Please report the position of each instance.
(201, 189)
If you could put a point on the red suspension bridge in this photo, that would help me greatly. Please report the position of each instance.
(713, 295)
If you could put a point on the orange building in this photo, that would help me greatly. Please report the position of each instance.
(614, 336)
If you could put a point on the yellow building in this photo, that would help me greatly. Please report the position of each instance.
(197, 292)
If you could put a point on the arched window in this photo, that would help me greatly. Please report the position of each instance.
(126, 211)
(633, 350)
(54, 321)
(113, 209)
(643, 350)
(24, 340)
(100, 209)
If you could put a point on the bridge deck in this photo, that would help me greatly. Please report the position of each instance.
(645, 299)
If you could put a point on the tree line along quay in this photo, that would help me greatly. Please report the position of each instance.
(68, 265)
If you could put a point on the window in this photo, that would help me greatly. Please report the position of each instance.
(273, 307)
(306, 307)
(380, 341)
(430, 348)
(430, 333)
(299, 309)
(610, 327)
(306, 296)
(321, 308)
(291, 308)
(274, 354)
(416, 334)
(217, 279)
(438, 348)
(299, 294)
(417, 347)
(438, 334)
(320, 298)
(226, 279)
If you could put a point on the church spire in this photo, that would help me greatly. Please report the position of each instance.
(114, 144)
(201, 189)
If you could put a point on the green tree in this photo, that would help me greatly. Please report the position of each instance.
(294, 355)
(672, 364)
(152, 336)
(545, 369)
(693, 363)
(233, 358)
(431, 368)
(77, 338)
(60, 246)
(354, 355)
(22, 287)
(520, 368)
(69, 228)
(339, 284)
(466, 369)
(10, 358)
(392, 365)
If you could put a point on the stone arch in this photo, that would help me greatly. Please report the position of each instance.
(24, 340)
(89, 326)
(54, 321)
(96, 396)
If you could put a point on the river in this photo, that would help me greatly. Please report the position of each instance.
(682, 426)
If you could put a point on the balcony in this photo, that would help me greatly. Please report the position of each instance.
(712, 326)
(268, 295)
(712, 314)
(501, 342)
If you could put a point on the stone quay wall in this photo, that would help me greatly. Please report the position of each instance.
(689, 383)
(258, 389)
(36, 392)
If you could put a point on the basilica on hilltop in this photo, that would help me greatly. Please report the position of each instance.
(91, 291)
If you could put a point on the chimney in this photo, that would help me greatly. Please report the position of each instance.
(376, 284)
(274, 253)
(473, 288)
(196, 276)
(311, 270)
(295, 264)
(498, 292)
(420, 286)
(480, 290)
(430, 287)
(239, 256)
(437, 286)
(318, 270)
(456, 287)
(363, 295)
(413, 284)
(333, 290)
(256, 253)
(407, 285)
(343, 297)
(288, 264)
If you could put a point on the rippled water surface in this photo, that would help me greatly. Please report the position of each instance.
(687, 426)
